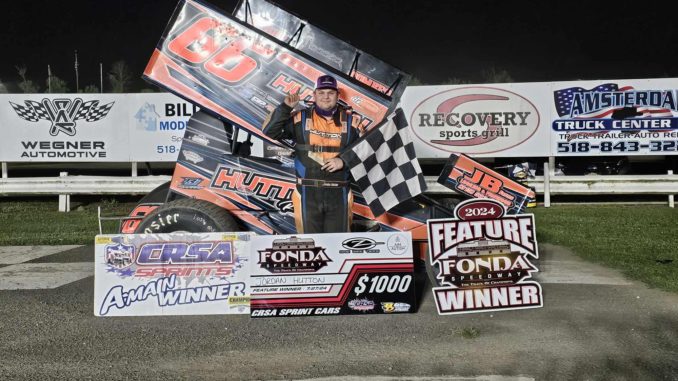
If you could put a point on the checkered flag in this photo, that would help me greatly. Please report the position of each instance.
(91, 111)
(32, 112)
(384, 165)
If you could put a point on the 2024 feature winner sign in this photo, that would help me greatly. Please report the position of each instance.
(171, 274)
(482, 258)
(332, 274)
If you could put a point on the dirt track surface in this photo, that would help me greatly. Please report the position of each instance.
(613, 329)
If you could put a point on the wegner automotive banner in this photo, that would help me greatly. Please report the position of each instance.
(94, 127)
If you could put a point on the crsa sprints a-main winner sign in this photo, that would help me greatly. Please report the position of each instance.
(171, 274)
(332, 274)
(482, 259)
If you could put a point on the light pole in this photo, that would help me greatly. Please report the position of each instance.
(77, 82)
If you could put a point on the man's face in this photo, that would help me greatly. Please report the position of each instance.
(326, 99)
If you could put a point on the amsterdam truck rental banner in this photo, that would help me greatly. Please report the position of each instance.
(503, 120)
(482, 259)
(171, 274)
(615, 117)
(332, 274)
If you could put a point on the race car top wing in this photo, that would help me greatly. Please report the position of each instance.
(241, 73)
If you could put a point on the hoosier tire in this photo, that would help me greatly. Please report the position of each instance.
(187, 215)
(158, 194)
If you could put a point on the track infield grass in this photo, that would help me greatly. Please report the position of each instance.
(641, 241)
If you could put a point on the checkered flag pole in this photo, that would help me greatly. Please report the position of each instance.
(384, 165)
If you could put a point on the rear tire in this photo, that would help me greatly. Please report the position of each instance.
(432, 272)
(188, 215)
(157, 195)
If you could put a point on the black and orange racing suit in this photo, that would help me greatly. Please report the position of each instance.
(322, 200)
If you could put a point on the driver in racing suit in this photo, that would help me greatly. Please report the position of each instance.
(322, 199)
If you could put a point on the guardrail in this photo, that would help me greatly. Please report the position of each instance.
(548, 185)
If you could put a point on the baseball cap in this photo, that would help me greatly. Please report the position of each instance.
(326, 82)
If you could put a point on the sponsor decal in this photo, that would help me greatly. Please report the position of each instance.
(150, 120)
(391, 307)
(120, 256)
(475, 120)
(191, 183)
(63, 113)
(180, 258)
(473, 179)
(200, 139)
(293, 255)
(147, 117)
(359, 245)
(362, 305)
(483, 262)
(398, 244)
(192, 156)
(277, 190)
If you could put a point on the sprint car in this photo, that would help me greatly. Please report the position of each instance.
(237, 68)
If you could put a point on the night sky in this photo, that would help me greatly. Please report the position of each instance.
(433, 40)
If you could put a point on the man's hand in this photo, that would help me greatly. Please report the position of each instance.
(333, 165)
(292, 100)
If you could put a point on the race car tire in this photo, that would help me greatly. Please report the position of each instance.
(432, 271)
(157, 195)
(188, 215)
(450, 202)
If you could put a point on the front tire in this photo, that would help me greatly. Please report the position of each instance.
(188, 215)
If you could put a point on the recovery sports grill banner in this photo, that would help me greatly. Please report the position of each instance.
(332, 274)
(483, 259)
(238, 72)
(171, 274)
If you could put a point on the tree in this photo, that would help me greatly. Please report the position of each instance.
(26, 85)
(455, 81)
(494, 75)
(58, 85)
(415, 81)
(90, 89)
(120, 77)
